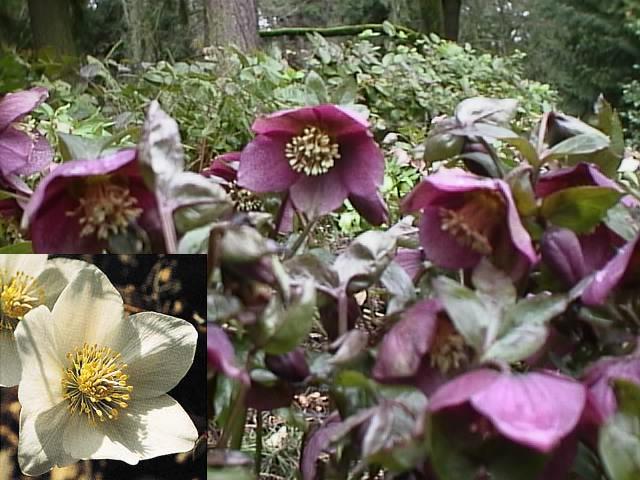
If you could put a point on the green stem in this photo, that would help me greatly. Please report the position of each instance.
(343, 30)
(301, 238)
(259, 432)
(234, 426)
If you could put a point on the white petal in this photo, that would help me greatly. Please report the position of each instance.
(40, 446)
(159, 352)
(84, 441)
(57, 274)
(89, 310)
(40, 388)
(153, 427)
(9, 360)
(30, 264)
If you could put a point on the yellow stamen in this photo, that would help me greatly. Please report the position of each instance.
(95, 384)
(19, 293)
(312, 153)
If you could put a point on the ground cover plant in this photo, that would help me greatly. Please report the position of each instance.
(402, 230)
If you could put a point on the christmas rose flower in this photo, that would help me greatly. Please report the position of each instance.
(537, 410)
(94, 382)
(465, 218)
(27, 281)
(320, 156)
(22, 152)
(621, 273)
(78, 206)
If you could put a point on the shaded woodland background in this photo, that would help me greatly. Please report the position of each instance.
(581, 47)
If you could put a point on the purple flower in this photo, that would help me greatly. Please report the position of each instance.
(465, 218)
(22, 152)
(80, 204)
(598, 380)
(582, 174)
(221, 355)
(318, 155)
(412, 261)
(224, 166)
(537, 409)
(621, 272)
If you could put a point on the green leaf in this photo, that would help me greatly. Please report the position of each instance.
(579, 208)
(442, 146)
(399, 285)
(619, 441)
(75, 147)
(316, 87)
(290, 325)
(22, 247)
(493, 283)
(482, 109)
(195, 241)
(621, 221)
(578, 145)
(466, 310)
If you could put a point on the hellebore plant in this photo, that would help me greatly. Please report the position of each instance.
(318, 156)
(94, 382)
(22, 151)
(26, 282)
(465, 218)
(83, 203)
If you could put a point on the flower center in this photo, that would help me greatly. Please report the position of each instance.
(244, 200)
(474, 223)
(312, 153)
(105, 209)
(18, 294)
(95, 383)
(448, 350)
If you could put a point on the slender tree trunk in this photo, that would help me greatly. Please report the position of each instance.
(451, 15)
(432, 15)
(51, 25)
(233, 22)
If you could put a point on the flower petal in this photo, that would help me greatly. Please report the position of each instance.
(89, 310)
(15, 149)
(17, 104)
(9, 360)
(340, 121)
(40, 448)
(518, 234)
(361, 163)
(28, 264)
(606, 279)
(411, 260)
(149, 428)
(440, 246)
(264, 167)
(462, 388)
(84, 441)
(317, 196)
(56, 275)
(290, 122)
(371, 207)
(40, 386)
(561, 250)
(221, 356)
(533, 409)
(158, 349)
(403, 347)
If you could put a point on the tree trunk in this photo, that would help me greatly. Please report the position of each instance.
(233, 22)
(137, 14)
(451, 15)
(51, 26)
(432, 15)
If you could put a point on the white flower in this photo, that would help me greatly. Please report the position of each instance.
(94, 382)
(27, 281)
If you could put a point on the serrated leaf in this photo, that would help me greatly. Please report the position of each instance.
(579, 208)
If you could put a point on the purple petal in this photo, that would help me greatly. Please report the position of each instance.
(316, 444)
(290, 122)
(533, 409)
(598, 380)
(440, 246)
(402, 348)
(284, 218)
(221, 355)
(291, 366)
(599, 247)
(561, 250)
(371, 207)
(15, 150)
(318, 195)
(605, 280)
(461, 389)
(339, 121)
(362, 164)
(411, 260)
(263, 166)
(224, 166)
(518, 234)
(17, 104)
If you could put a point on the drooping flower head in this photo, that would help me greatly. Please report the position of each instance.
(26, 282)
(465, 218)
(318, 155)
(82, 203)
(22, 151)
(225, 167)
(94, 382)
(621, 273)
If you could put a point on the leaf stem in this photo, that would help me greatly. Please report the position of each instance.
(168, 231)
(301, 238)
